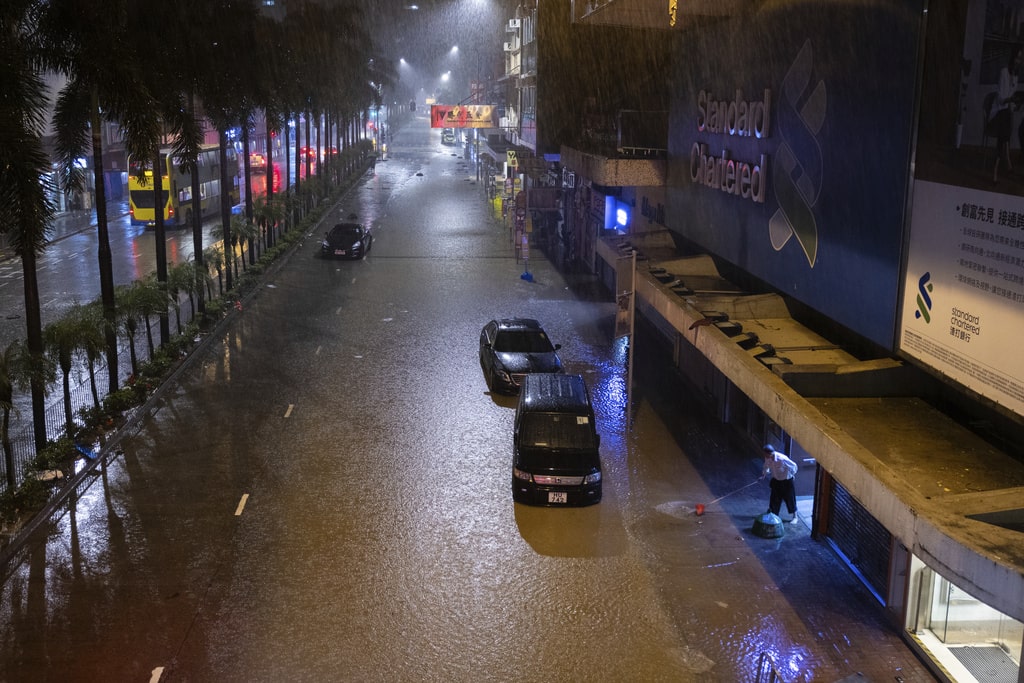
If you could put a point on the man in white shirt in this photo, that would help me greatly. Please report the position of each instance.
(782, 470)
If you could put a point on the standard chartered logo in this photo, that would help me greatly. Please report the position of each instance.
(797, 164)
(924, 298)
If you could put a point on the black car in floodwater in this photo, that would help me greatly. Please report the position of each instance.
(555, 443)
(513, 347)
(347, 240)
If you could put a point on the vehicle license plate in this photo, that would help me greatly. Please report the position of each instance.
(558, 497)
(339, 252)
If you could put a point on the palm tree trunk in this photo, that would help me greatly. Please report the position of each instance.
(69, 420)
(197, 215)
(225, 201)
(103, 243)
(5, 437)
(309, 160)
(149, 335)
(161, 240)
(131, 352)
(92, 383)
(248, 183)
(298, 166)
(34, 342)
(270, 175)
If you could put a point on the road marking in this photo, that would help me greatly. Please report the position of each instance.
(241, 504)
(157, 673)
(318, 350)
(339, 310)
(288, 413)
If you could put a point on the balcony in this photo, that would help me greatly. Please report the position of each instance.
(625, 149)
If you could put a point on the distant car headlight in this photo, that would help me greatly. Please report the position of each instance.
(519, 474)
(324, 245)
(592, 478)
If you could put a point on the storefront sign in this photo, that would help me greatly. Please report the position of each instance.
(737, 118)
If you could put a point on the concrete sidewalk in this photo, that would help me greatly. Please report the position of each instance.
(835, 623)
(68, 223)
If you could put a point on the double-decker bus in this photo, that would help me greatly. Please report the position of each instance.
(177, 187)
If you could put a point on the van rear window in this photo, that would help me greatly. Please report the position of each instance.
(556, 430)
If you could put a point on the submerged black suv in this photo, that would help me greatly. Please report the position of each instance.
(555, 457)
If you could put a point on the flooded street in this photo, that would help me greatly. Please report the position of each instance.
(323, 494)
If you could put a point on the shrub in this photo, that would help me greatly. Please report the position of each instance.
(120, 401)
(55, 456)
(30, 496)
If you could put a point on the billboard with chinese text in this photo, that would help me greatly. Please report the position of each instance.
(963, 291)
(463, 116)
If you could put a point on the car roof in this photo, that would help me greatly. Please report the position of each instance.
(554, 392)
(521, 324)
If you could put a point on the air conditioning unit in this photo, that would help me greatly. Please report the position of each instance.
(509, 47)
(513, 25)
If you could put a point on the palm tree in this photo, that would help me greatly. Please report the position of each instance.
(184, 277)
(25, 210)
(129, 312)
(242, 231)
(63, 341)
(151, 299)
(216, 29)
(267, 212)
(270, 91)
(93, 342)
(88, 42)
(214, 257)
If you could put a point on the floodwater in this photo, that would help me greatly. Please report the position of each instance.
(323, 494)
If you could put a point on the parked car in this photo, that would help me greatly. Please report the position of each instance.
(448, 136)
(555, 443)
(347, 240)
(512, 347)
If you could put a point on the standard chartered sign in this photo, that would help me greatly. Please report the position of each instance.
(737, 117)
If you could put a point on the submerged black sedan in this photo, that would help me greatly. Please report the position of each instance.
(347, 240)
(512, 347)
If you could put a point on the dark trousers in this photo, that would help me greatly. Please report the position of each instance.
(782, 490)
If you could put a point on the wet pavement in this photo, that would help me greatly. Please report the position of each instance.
(324, 494)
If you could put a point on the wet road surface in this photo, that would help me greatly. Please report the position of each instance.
(324, 495)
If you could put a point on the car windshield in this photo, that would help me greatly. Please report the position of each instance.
(522, 341)
(347, 230)
(556, 430)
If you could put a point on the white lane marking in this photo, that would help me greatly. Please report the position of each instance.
(318, 350)
(340, 309)
(241, 504)
(157, 673)
(288, 413)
